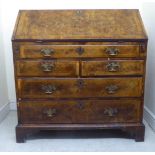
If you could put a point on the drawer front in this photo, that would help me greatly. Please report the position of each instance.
(85, 111)
(47, 68)
(72, 51)
(113, 67)
(65, 88)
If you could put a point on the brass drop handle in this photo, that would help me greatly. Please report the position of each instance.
(47, 52)
(48, 89)
(110, 111)
(80, 50)
(113, 66)
(112, 51)
(111, 89)
(50, 112)
(47, 67)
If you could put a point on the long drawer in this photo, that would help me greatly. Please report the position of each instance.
(55, 68)
(112, 67)
(73, 51)
(73, 87)
(85, 111)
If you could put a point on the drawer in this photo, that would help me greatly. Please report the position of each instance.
(72, 87)
(113, 67)
(73, 51)
(84, 111)
(55, 68)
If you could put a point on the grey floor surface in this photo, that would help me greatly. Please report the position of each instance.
(58, 143)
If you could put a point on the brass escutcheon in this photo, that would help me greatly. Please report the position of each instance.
(80, 50)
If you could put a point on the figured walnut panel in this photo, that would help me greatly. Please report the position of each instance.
(73, 51)
(112, 67)
(65, 88)
(85, 111)
(79, 24)
(56, 68)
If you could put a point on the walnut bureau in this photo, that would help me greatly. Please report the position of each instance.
(79, 69)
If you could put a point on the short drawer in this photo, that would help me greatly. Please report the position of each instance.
(57, 68)
(73, 51)
(113, 67)
(75, 88)
(84, 111)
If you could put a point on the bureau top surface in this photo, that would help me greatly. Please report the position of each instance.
(79, 25)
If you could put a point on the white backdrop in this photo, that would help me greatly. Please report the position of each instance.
(10, 8)
(148, 14)
(3, 80)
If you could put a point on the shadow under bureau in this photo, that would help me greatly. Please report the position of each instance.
(79, 69)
